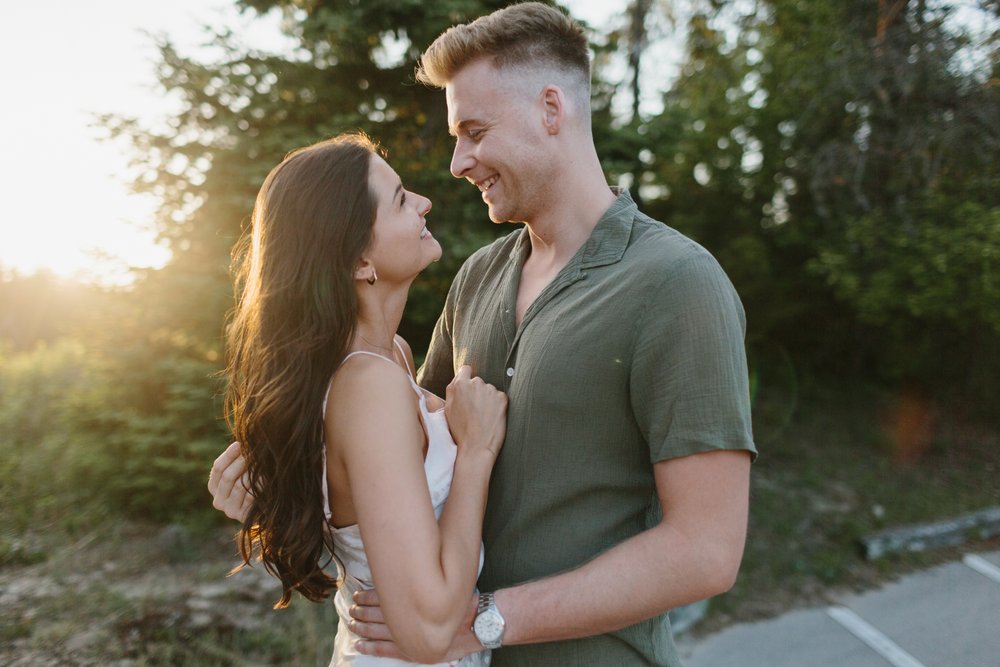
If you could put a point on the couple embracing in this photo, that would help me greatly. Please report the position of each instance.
(572, 459)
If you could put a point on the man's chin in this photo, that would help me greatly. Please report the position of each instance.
(498, 217)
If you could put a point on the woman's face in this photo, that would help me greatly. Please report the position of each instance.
(402, 246)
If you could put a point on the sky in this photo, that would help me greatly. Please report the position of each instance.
(64, 192)
(65, 196)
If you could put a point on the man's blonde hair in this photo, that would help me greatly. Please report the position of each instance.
(529, 35)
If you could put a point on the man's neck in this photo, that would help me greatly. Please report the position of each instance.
(565, 226)
(578, 200)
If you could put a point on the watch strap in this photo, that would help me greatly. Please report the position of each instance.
(485, 602)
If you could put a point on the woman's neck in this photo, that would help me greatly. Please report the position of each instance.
(379, 316)
(379, 344)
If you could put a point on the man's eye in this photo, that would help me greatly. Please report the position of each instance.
(475, 134)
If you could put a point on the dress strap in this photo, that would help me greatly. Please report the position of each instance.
(371, 354)
(406, 362)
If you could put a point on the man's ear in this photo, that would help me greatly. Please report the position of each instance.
(553, 108)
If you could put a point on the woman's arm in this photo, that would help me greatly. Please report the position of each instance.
(425, 571)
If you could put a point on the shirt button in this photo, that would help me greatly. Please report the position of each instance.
(510, 372)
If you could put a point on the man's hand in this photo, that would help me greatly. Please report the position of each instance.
(369, 624)
(228, 484)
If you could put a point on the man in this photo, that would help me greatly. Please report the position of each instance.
(622, 488)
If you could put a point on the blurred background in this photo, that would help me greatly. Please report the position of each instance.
(839, 158)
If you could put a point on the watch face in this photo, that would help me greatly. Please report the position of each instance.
(488, 626)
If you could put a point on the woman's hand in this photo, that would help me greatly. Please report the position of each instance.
(228, 484)
(476, 412)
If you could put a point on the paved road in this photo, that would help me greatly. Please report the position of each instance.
(948, 616)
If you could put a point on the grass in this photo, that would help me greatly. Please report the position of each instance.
(836, 463)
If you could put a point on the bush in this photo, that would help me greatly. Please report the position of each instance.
(35, 390)
(85, 433)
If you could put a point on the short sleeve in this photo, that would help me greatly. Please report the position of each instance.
(438, 368)
(688, 382)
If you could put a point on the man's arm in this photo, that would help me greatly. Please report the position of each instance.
(694, 552)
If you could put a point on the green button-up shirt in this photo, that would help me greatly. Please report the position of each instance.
(633, 354)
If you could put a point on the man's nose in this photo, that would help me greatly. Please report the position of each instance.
(461, 159)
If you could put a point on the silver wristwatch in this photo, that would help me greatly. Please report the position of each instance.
(489, 624)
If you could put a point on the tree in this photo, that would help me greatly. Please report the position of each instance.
(151, 404)
(894, 157)
(841, 159)
(705, 156)
(353, 70)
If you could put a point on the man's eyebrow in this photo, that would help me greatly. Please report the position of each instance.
(455, 130)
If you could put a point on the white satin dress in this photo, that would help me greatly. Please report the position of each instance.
(349, 550)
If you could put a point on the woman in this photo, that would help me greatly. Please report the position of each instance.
(339, 442)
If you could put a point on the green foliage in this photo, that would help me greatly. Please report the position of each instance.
(118, 415)
(87, 433)
(842, 165)
(34, 389)
(944, 268)
(152, 435)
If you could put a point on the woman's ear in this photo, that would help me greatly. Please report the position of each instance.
(364, 270)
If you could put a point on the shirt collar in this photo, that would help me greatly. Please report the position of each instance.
(608, 241)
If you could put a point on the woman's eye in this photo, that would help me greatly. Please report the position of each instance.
(402, 200)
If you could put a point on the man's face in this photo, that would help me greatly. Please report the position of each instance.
(497, 147)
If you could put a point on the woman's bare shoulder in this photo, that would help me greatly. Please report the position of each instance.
(363, 373)
(368, 388)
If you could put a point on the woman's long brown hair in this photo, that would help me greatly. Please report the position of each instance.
(295, 316)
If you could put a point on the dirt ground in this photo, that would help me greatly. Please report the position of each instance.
(141, 596)
(148, 595)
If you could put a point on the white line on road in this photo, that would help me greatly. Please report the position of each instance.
(982, 566)
(881, 644)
